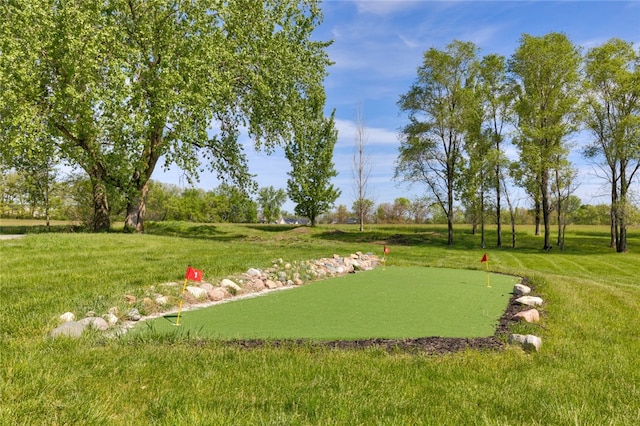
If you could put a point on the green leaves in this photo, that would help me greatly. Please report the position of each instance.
(120, 84)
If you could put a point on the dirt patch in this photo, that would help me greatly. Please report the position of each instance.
(428, 345)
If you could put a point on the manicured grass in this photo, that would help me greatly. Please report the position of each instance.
(586, 373)
(394, 303)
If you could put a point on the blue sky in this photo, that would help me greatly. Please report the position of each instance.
(377, 48)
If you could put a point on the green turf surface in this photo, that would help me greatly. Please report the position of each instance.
(399, 302)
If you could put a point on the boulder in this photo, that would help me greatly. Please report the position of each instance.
(229, 284)
(528, 342)
(532, 315)
(253, 272)
(532, 343)
(270, 284)
(256, 285)
(68, 329)
(206, 286)
(197, 292)
(521, 290)
(516, 338)
(95, 323)
(216, 294)
(529, 300)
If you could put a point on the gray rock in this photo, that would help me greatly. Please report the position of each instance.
(197, 292)
(134, 315)
(529, 300)
(68, 329)
(67, 316)
(229, 284)
(528, 342)
(532, 343)
(95, 323)
(521, 290)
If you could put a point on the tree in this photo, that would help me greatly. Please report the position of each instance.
(496, 98)
(361, 170)
(121, 84)
(431, 150)
(546, 72)
(363, 210)
(613, 116)
(270, 201)
(311, 157)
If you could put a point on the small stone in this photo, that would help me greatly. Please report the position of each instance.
(67, 316)
(253, 272)
(161, 300)
(130, 299)
(134, 315)
(111, 319)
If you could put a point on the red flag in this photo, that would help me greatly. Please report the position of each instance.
(484, 258)
(193, 274)
(386, 250)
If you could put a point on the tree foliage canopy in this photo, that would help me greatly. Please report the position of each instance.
(312, 168)
(121, 84)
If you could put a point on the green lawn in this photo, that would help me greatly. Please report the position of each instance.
(585, 374)
(396, 303)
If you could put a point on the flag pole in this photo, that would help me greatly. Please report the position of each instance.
(184, 287)
(488, 275)
(485, 259)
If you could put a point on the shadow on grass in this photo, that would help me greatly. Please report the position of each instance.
(42, 229)
(188, 230)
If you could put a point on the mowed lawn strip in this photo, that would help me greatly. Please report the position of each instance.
(399, 302)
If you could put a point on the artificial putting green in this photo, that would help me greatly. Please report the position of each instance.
(396, 303)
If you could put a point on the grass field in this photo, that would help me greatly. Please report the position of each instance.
(586, 373)
(394, 303)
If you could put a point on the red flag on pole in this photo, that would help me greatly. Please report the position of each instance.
(193, 274)
(386, 250)
(484, 258)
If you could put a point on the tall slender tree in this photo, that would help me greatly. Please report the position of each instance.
(613, 116)
(361, 169)
(497, 107)
(431, 150)
(311, 157)
(546, 70)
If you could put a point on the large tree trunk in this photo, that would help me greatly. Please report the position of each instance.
(546, 211)
(137, 211)
(100, 222)
(621, 213)
(498, 207)
(613, 216)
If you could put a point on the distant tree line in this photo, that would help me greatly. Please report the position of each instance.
(70, 199)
